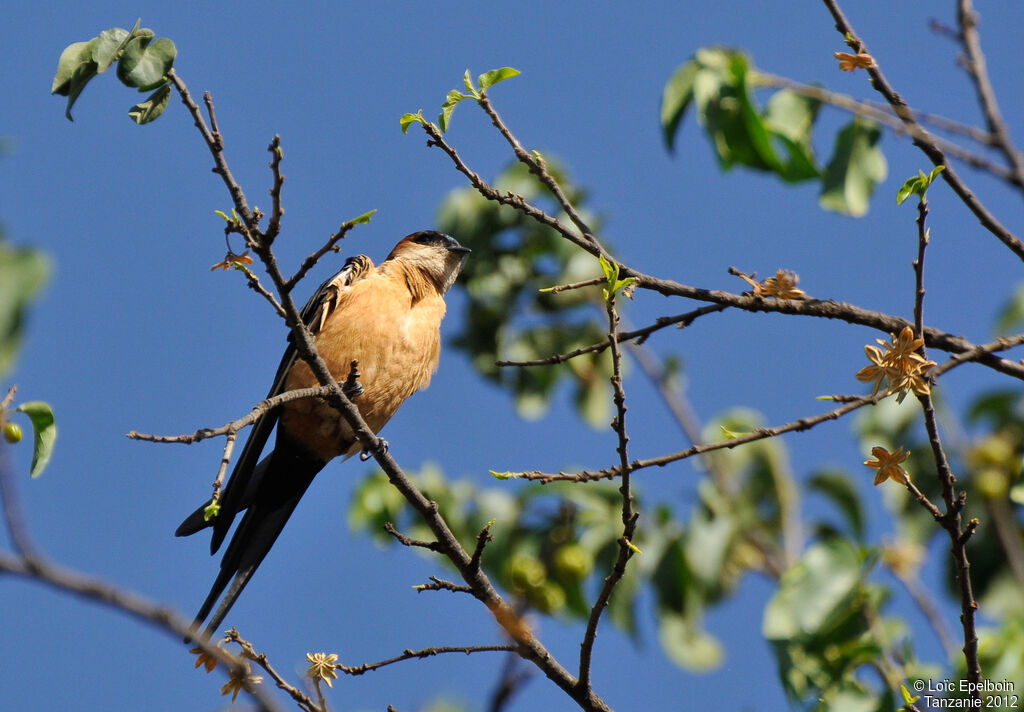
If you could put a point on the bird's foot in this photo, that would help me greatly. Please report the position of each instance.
(382, 447)
(352, 388)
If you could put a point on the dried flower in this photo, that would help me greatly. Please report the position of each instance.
(231, 259)
(206, 660)
(240, 679)
(900, 365)
(323, 667)
(888, 465)
(782, 286)
(849, 62)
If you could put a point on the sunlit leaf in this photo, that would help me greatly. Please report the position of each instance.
(145, 62)
(408, 120)
(45, 430)
(812, 591)
(489, 79)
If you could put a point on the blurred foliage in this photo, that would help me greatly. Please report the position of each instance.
(23, 272)
(777, 138)
(508, 318)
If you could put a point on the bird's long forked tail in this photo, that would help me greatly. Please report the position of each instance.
(262, 524)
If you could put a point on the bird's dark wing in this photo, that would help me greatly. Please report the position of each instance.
(248, 471)
(271, 489)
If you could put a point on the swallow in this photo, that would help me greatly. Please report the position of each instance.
(387, 318)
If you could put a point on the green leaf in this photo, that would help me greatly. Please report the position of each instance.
(675, 99)
(74, 70)
(856, 168)
(151, 108)
(489, 79)
(917, 185)
(839, 488)
(450, 101)
(814, 592)
(790, 118)
(145, 62)
(109, 44)
(22, 273)
(72, 59)
(364, 218)
(45, 430)
(211, 510)
(468, 81)
(507, 475)
(408, 120)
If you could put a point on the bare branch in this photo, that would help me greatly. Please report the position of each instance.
(800, 425)
(629, 517)
(976, 67)
(255, 414)
(261, 659)
(923, 139)
(424, 653)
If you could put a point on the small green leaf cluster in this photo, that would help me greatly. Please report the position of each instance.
(483, 82)
(142, 63)
(918, 185)
(611, 274)
(508, 316)
(22, 273)
(718, 84)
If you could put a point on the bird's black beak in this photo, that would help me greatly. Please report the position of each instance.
(453, 246)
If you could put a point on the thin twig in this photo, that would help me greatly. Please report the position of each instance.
(33, 565)
(800, 425)
(261, 659)
(424, 653)
(949, 520)
(640, 335)
(574, 285)
(923, 139)
(629, 517)
(229, 447)
(258, 411)
(439, 584)
(276, 211)
(538, 168)
(884, 115)
(976, 67)
(216, 145)
(9, 398)
(330, 246)
(406, 541)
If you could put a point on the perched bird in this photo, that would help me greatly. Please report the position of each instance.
(385, 317)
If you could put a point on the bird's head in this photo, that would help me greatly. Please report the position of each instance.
(439, 256)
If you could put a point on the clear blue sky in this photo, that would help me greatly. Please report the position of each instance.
(135, 332)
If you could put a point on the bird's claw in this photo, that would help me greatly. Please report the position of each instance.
(382, 447)
(352, 389)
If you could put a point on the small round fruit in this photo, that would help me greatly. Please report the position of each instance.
(12, 433)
